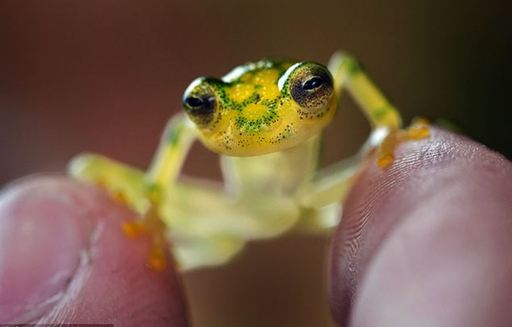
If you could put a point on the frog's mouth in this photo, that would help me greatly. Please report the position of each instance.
(261, 131)
(243, 145)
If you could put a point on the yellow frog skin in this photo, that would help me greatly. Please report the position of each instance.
(265, 120)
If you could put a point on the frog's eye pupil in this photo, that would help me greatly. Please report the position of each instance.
(194, 102)
(313, 83)
(200, 106)
(311, 86)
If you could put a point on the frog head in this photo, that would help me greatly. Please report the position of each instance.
(261, 107)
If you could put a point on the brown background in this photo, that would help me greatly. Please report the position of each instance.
(104, 75)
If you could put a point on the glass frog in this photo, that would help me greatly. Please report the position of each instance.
(265, 119)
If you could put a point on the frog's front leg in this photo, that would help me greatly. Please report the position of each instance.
(129, 187)
(125, 184)
(330, 186)
(382, 115)
(143, 192)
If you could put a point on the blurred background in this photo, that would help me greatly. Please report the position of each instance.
(105, 75)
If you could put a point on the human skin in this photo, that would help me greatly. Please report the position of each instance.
(426, 242)
(64, 259)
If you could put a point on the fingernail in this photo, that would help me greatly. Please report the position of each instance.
(44, 236)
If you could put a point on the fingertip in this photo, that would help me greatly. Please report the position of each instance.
(443, 176)
(106, 279)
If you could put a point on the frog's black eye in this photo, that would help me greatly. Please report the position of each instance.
(200, 104)
(313, 83)
(311, 86)
(195, 102)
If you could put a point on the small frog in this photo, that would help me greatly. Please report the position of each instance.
(265, 119)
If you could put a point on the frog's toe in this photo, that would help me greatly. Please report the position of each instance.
(157, 258)
(150, 225)
(133, 228)
(419, 129)
(385, 160)
(119, 197)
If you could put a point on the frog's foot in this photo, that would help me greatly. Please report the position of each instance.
(419, 129)
(149, 225)
(152, 226)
